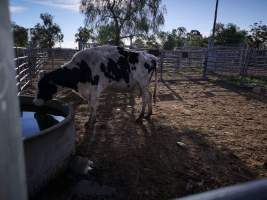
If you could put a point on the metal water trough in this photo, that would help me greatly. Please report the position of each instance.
(47, 153)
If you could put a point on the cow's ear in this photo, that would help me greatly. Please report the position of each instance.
(41, 74)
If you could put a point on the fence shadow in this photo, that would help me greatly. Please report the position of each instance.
(244, 91)
(165, 83)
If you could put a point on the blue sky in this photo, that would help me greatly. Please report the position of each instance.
(192, 14)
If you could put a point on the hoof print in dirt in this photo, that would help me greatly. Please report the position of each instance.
(91, 190)
(81, 165)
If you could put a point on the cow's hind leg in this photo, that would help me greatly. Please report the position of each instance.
(93, 105)
(145, 97)
(149, 104)
(132, 101)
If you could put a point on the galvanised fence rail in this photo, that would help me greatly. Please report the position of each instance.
(238, 61)
(245, 66)
(28, 62)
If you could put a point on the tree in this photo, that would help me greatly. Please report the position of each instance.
(195, 39)
(106, 34)
(181, 34)
(229, 35)
(47, 34)
(139, 43)
(20, 35)
(151, 41)
(170, 42)
(126, 17)
(84, 35)
(173, 39)
(258, 35)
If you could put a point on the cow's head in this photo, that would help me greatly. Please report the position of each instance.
(46, 89)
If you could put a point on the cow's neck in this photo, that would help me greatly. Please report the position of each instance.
(63, 77)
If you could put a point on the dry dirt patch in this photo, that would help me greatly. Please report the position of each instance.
(224, 132)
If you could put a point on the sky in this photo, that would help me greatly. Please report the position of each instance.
(192, 14)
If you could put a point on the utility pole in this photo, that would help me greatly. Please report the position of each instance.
(215, 19)
(210, 58)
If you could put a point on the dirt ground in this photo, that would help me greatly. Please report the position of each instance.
(223, 129)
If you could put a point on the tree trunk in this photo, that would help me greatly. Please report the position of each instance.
(117, 38)
(117, 33)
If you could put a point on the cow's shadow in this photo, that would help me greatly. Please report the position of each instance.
(145, 161)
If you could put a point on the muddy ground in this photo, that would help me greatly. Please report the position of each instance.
(224, 130)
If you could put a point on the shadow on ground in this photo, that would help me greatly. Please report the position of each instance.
(145, 162)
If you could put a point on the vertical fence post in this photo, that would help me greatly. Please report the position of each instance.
(178, 59)
(12, 169)
(161, 64)
(243, 73)
(52, 56)
(211, 56)
(17, 70)
(30, 63)
(205, 63)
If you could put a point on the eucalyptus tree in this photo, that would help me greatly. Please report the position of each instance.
(127, 18)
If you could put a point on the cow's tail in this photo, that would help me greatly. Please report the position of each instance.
(156, 85)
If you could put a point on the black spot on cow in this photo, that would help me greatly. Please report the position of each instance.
(148, 67)
(122, 51)
(133, 68)
(46, 89)
(117, 71)
(131, 56)
(65, 77)
(95, 80)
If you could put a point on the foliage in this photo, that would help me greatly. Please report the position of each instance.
(20, 35)
(84, 35)
(106, 34)
(258, 35)
(46, 34)
(139, 43)
(125, 17)
(229, 35)
(180, 37)
(195, 39)
(175, 38)
(151, 42)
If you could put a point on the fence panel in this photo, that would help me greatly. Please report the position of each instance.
(27, 63)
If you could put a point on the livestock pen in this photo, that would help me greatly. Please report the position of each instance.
(203, 135)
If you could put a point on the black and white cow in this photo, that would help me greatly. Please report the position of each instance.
(93, 70)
